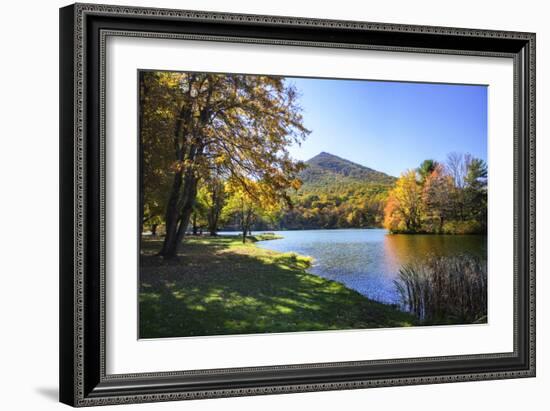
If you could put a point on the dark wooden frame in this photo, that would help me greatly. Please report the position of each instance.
(83, 29)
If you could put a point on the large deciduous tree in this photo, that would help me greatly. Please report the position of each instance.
(236, 126)
(158, 102)
(404, 207)
(436, 196)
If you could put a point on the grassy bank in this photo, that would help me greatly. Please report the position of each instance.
(221, 286)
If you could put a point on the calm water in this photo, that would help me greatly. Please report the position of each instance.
(368, 260)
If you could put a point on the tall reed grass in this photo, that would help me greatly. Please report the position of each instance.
(445, 290)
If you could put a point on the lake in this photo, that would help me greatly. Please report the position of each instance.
(368, 260)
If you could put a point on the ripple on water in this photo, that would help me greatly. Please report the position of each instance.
(368, 260)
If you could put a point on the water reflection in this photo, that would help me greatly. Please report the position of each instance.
(368, 260)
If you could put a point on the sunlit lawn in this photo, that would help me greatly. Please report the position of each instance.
(222, 286)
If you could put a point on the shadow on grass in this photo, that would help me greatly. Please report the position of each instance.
(217, 286)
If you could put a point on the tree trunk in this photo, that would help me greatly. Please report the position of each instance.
(184, 209)
(189, 195)
(172, 210)
(244, 228)
(142, 90)
(246, 224)
(213, 218)
(215, 210)
(169, 246)
(154, 230)
(180, 205)
(213, 230)
(195, 227)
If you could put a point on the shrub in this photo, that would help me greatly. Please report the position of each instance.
(462, 227)
(264, 237)
(292, 258)
(445, 289)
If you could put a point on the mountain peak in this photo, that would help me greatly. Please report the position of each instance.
(323, 154)
(326, 165)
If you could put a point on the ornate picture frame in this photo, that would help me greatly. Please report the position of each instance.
(84, 380)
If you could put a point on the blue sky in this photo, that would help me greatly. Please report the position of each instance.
(391, 126)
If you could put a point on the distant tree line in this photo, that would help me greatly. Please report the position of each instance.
(348, 206)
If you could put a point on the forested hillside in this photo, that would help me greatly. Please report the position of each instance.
(445, 198)
(327, 170)
(337, 193)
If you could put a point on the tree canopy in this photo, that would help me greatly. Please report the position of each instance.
(200, 126)
(440, 198)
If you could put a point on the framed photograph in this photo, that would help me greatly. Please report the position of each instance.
(260, 204)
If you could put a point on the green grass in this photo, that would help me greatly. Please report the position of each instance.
(219, 286)
(264, 237)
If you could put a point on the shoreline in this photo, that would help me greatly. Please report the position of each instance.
(347, 228)
(263, 291)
